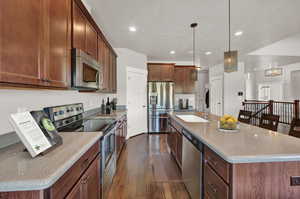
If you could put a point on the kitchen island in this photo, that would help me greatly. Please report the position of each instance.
(251, 163)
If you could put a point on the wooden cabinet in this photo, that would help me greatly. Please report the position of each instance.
(58, 53)
(77, 192)
(114, 73)
(88, 187)
(185, 78)
(34, 42)
(91, 40)
(108, 60)
(174, 140)
(36, 38)
(21, 57)
(84, 33)
(160, 72)
(214, 186)
(79, 28)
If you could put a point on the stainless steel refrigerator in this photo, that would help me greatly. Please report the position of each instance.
(160, 102)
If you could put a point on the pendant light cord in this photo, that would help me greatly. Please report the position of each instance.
(229, 23)
(194, 46)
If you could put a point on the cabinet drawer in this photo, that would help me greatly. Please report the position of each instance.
(214, 186)
(217, 163)
(68, 180)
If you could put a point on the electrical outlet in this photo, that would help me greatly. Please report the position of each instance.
(295, 180)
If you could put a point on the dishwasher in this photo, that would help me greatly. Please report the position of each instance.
(192, 165)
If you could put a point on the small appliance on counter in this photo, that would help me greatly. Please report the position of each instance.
(183, 104)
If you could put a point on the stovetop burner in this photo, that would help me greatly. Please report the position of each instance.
(69, 118)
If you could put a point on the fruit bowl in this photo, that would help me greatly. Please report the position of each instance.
(228, 123)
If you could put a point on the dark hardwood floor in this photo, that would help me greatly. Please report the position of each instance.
(147, 171)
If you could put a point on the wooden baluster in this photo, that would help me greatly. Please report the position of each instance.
(271, 102)
(296, 107)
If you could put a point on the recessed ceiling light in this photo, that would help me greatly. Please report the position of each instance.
(172, 52)
(208, 53)
(238, 33)
(132, 29)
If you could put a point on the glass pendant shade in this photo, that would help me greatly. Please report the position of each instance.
(230, 61)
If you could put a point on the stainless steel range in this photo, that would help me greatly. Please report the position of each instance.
(70, 118)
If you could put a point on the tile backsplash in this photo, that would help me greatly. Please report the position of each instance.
(13, 100)
(191, 98)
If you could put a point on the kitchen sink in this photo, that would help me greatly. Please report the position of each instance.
(192, 118)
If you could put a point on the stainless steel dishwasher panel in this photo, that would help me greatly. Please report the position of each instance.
(192, 166)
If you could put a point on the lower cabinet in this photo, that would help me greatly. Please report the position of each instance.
(174, 141)
(88, 187)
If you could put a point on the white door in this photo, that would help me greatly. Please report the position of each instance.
(136, 101)
(216, 96)
(264, 92)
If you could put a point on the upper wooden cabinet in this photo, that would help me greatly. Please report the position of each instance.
(36, 38)
(91, 41)
(160, 72)
(185, 78)
(79, 26)
(34, 42)
(21, 58)
(58, 56)
(84, 34)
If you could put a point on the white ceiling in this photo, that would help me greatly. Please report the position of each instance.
(163, 25)
(286, 47)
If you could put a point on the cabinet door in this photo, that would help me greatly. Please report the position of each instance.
(79, 28)
(190, 78)
(108, 69)
(114, 72)
(91, 40)
(102, 60)
(21, 36)
(154, 72)
(179, 79)
(91, 180)
(77, 192)
(58, 52)
(167, 72)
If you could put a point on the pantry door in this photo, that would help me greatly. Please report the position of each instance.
(136, 101)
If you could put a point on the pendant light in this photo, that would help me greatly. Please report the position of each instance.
(230, 57)
(193, 26)
(273, 71)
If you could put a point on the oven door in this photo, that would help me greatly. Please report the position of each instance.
(86, 72)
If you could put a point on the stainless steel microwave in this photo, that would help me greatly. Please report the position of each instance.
(86, 72)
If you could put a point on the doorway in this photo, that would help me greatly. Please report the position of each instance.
(216, 95)
(136, 101)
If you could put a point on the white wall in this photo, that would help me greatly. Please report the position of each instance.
(127, 58)
(191, 98)
(233, 83)
(11, 100)
(285, 87)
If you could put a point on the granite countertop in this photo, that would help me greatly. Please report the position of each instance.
(19, 172)
(116, 115)
(250, 144)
